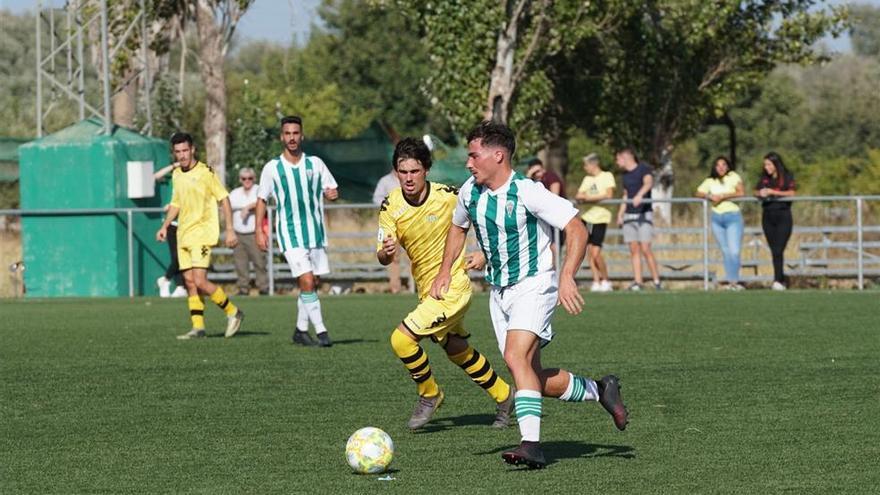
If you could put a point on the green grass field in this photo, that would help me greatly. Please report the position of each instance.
(754, 392)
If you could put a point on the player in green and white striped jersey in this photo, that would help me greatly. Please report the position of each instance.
(299, 184)
(513, 219)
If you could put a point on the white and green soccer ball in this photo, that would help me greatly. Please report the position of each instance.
(369, 450)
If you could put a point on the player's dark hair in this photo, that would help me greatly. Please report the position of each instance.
(412, 148)
(181, 137)
(536, 161)
(491, 133)
(721, 158)
(291, 119)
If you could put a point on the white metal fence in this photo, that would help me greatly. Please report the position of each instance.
(849, 247)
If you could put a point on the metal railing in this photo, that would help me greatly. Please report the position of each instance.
(858, 202)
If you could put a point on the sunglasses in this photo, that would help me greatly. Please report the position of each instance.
(246, 178)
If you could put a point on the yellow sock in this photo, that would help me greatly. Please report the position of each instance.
(478, 368)
(223, 302)
(196, 312)
(416, 361)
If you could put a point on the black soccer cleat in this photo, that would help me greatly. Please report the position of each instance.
(609, 397)
(324, 339)
(528, 454)
(303, 338)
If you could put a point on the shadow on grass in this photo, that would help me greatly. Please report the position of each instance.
(569, 449)
(238, 335)
(441, 424)
(354, 341)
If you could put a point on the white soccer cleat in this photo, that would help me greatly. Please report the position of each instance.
(606, 286)
(777, 286)
(164, 286)
(596, 287)
(233, 323)
(179, 291)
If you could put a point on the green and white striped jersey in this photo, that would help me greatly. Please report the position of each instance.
(298, 189)
(513, 226)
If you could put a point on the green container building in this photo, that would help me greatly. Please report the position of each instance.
(87, 255)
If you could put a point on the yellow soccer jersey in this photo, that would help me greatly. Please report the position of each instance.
(421, 231)
(196, 193)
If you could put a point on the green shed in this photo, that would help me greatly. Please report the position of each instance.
(87, 254)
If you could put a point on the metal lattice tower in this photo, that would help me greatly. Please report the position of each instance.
(78, 18)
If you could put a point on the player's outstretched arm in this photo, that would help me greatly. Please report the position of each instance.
(455, 239)
(575, 246)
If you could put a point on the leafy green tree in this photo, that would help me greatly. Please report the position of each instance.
(492, 59)
(380, 63)
(865, 29)
(673, 64)
(249, 139)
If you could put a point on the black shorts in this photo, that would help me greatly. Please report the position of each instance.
(597, 233)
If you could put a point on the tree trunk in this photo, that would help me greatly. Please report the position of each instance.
(664, 186)
(501, 82)
(124, 102)
(211, 61)
(731, 133)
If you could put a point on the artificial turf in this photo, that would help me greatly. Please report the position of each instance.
(754, 392)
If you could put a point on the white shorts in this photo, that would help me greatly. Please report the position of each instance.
(303, 260)
(527, 305)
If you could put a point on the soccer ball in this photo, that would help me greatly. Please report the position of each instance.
(369, 450)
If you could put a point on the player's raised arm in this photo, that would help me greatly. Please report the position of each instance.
(455, 238)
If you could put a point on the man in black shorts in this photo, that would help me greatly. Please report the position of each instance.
(596, 186)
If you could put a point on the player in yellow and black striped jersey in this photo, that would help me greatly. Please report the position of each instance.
(416, 217)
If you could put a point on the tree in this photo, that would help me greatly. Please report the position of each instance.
(248, 138)
(676, 63)
(379, 62)
(216, 21)
(865, 30)
(513, 42)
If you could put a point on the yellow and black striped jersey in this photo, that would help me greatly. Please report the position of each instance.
(421, 231)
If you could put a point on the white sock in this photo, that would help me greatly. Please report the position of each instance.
(528, 414)
(580, 389)
(312, 307)
(302, 315)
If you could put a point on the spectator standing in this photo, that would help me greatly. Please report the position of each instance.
(636, 218)
(596, 186)
(538, 172)
(243, 200)
(776, 182)
(722, 185)
(386, 184)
